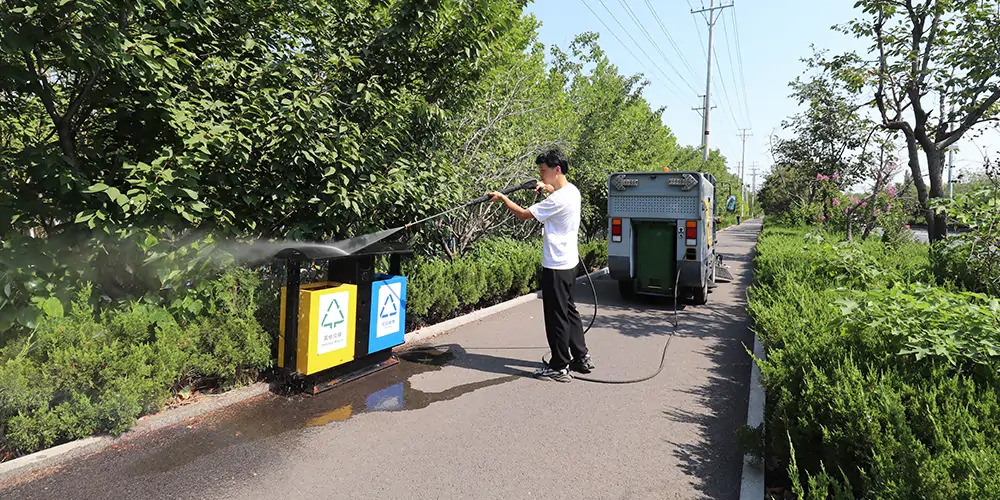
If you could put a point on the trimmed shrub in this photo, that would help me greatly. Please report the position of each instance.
(495, 270)
(82, 374)
(878, 385)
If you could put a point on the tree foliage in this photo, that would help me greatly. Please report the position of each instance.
(933, 79)
(578, 102)
(140, 128)
(312, 116)
(141, 137)
(831, 142)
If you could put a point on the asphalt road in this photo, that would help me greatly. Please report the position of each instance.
(460, 417)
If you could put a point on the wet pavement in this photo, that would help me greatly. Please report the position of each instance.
(460, 417)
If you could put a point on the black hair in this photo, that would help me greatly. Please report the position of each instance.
(554, 158)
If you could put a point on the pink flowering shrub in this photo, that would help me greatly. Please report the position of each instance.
(885, 211)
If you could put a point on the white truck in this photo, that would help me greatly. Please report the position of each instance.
(662, 234)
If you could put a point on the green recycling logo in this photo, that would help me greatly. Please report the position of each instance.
(325, 322)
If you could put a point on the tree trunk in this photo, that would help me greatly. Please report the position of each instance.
(937, 224)
(913, 157)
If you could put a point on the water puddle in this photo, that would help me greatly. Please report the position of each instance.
(390, 390)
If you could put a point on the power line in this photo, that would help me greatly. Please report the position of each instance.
(671, 39)
(732, 67)
(635, 19)
(725, 91)
(698, 30)
(739, 57)
(627, 49)
(633, 40)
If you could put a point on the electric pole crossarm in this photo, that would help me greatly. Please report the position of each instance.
(712, 8)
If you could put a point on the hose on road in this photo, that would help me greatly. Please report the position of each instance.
(666, 344)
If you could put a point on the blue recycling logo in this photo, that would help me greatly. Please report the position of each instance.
(385, 312)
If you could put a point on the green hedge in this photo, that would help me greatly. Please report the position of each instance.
(86, 373)
(878, 385)
(496, 270)
(82, 373)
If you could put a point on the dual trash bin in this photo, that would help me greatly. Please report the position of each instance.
(354, 317)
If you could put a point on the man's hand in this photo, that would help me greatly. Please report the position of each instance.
(541, 186)
(519, 213)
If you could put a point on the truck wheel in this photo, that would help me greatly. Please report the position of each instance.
(701, 295)
(627, 289)
(711, 280)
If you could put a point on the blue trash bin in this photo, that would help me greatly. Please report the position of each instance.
(388, 312)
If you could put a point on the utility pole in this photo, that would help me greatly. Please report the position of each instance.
(743, 163)
(711, 18)
(753, 190)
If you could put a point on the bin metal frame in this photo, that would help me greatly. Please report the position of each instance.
(354, 266)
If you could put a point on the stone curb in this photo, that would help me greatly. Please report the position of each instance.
(12, 470)
(752, 484)
(752, 478)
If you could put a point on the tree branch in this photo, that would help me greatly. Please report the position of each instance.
(971, 119)
(74, 106)
(930, 41)
(43, 88)
(894, 123)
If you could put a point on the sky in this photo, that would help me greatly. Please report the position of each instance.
(759, 46)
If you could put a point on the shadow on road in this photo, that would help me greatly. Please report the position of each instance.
(717, 458)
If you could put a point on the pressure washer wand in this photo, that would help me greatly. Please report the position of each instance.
(529, 184)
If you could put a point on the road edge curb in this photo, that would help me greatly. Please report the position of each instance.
(752, 478)
(12, 471)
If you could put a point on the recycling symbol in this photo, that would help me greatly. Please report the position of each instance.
(326, 315)
(385, 312)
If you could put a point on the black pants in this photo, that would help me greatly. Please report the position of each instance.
(563, 326)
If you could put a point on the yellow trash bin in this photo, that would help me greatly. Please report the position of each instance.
(326, 326)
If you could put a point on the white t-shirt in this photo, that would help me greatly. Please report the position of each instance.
(560, 214)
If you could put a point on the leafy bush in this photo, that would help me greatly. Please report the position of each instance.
(495, 270)
(800, 213)
(878, 385)
(595, 254)
(86, 373)
(96, 370)
(971, 260)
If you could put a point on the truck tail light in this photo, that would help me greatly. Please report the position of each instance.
(616, 230)
(691, 232)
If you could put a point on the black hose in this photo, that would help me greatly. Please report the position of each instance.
(529, 185)
(666, 344)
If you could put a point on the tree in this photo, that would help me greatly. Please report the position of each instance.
(934, 78)
(517, 110)
(307, 119)
(832, 142)
(139, 127)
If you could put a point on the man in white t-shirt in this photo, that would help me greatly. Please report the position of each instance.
(560, 215)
